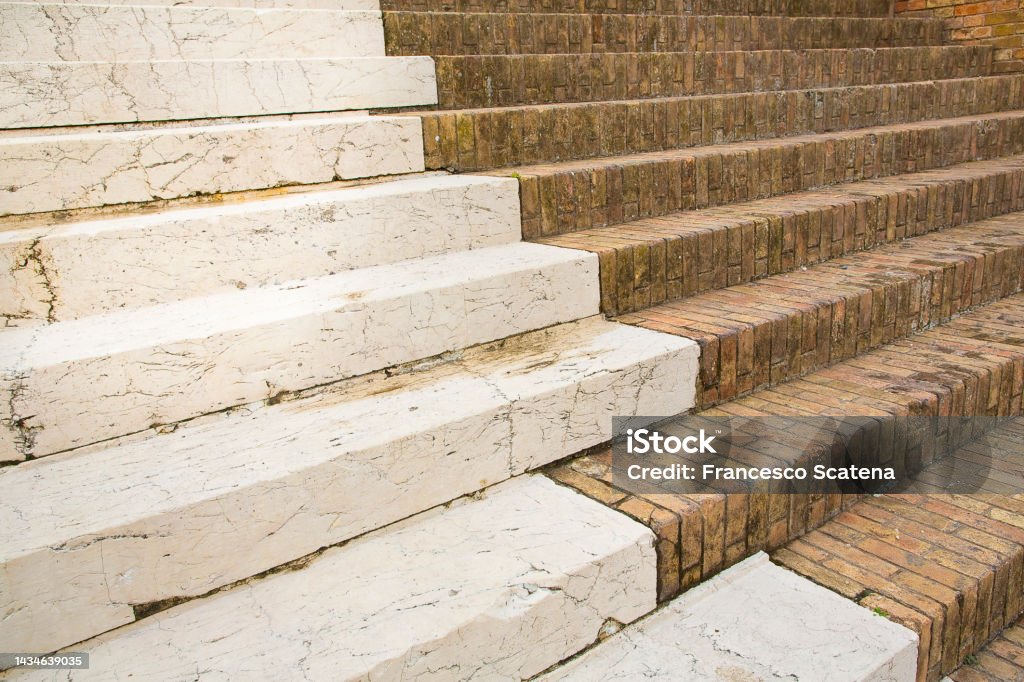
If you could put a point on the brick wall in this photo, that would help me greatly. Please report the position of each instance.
(979, 22)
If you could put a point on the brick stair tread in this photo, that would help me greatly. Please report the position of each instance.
(484, 138)
(876, 8)
(765, 332)
(576, 195)
(1002, 659)
(947, 566)
(471, 33)
(503, 80)
(649, 261)
(971, 366)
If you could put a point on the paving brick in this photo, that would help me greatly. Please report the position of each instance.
(856, 8)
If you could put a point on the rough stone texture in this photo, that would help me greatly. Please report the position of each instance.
(500, 587)
(39, 94)
(577, 195)
(74, 170)
(479, 139)
(508, 80)
(42, 32)
(66, 271)
(650, 261)
(754, 621)
(440, 33)
(73, 383)
(329, 465)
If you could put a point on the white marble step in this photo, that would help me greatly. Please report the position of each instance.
(71, 270)
(86, 535)
(258, 4)
(77, 382)
(56, 32)
(39, 94)
(76, 170)
(754, 621)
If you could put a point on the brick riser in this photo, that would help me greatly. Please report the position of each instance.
(1002, 659)
(481, 139)
(866, 8)
(971, 366)
(653, 261)
(447, 33)
(557, 199)
(511, 80)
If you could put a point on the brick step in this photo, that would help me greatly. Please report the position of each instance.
(971, 366)
(755, 621)
(784, 326)
(64, 270)
(499, 587)
(510, 80)
(313, 470)
(947, 566)
(580, 195)
(449, 33)
(650, 261)
(73, 169)
(68, 31)
(1002, 659)
(828, 8)
(82, 381)
(481, 139)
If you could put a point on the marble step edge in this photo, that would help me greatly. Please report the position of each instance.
(287, 479)
(46, 173)
(73, 383)
(58, 271)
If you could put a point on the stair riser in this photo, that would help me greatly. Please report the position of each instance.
(783, 328)
(349, 470)
(37, 32)
(286, 338)
(60, 172)
(446, 33)
(498, 588)
(827, 8)
(337, 5)
(655, 262)
(476, 140)
(491, 81)
(81, 93)
(95, 267)
(558, 201)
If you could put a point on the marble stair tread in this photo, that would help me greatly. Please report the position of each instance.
(81, 381)
(41, 94)
(501, 587)
(60, 271)
(71, 169)
(72, 32)
(759, 621)
(315, 470)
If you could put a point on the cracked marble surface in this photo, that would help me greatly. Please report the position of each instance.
(337, 5)
(148, 519)
(77, 382)
(61, 31)
(86, 268)
(498, 587)
(755, 621)
(57, 172)
(34, 95)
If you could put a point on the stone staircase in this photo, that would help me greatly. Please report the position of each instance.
(297, 390)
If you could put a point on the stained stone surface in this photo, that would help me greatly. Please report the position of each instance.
(61, 272)
(36, 94)
(75, 170)
(77, 382)
(73, 32)
(503, 586)
(754, 621)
